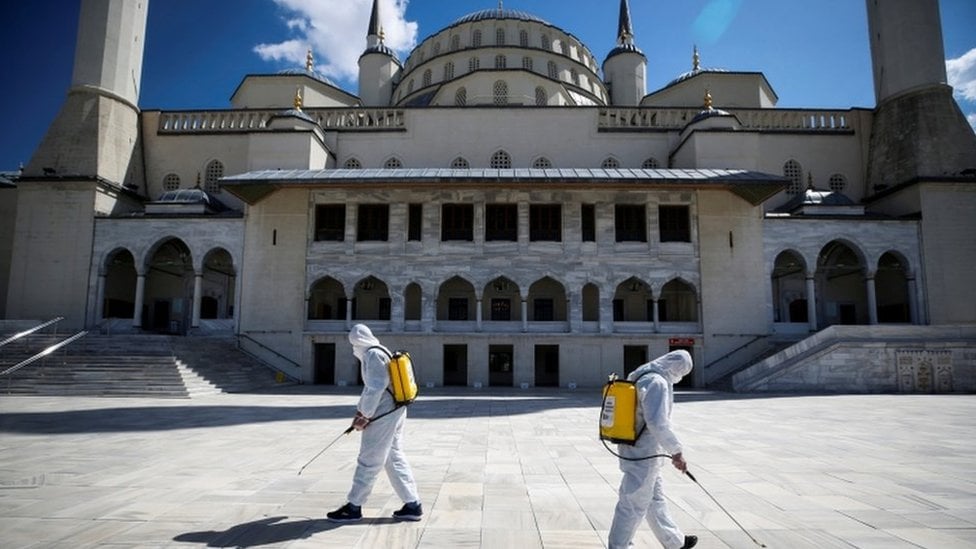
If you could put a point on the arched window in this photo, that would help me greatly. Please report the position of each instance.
(461, 97)
(455, 42)
(678, 302)
(541, 163)
(527, 63)
(393, 163)
(427, 77)
(500, 92)
(501, 160)
(546, 43)
(437, 48)
(476, 39)
(420, 56)
(410, 86)
(171, 182)
(215, 170)
(500, 62)
(650, 163)
(553, 70)
(793, 172)
(610, 163)
(473, 64)
(541, 97)
(448, 70)
(352, 164)
(524, 38)
(574, 77)
(564, 48)
(499, 37)
(460, 163)
(838, 183)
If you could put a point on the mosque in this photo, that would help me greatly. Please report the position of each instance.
(515, 210)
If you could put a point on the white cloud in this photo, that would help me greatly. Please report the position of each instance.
(336, 32)
(972, 119)
(961, 73)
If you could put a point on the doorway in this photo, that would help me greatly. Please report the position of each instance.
(687, 382)
(324, 373)
(455, 365)
(634, 356)
(547, 365)
(500, 366)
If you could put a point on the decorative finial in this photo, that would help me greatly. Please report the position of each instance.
(810, 181)
(708, 100)
(382, 35)
(198, 180)
(298, 98)
(696, 60)
(309, 61)
(499, 5)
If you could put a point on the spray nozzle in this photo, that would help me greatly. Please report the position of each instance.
(612, 377)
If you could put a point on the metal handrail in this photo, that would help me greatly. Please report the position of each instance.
(736, 350)
(42, 354)
(15, 337)
(269, 349)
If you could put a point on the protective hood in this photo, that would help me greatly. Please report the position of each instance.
(672, 366)
(361, 339)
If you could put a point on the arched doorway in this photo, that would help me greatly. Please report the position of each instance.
(547, 301)
(371, 300)
(891, 287)
(219, 282)
(789, 288)
(169, 288)
(455, 300)
(840, 286)
(119, 300)
(678, 302)
(327, 300)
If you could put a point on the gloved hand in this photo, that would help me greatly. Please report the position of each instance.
(359, 422)
(679, 462)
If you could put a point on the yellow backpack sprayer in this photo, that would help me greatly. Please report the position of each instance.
(402, 387)
(618, 424)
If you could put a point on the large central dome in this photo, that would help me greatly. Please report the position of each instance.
(499, 14)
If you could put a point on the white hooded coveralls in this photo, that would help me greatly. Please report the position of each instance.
(381, 440)
(641, 491)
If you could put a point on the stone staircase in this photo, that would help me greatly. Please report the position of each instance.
(134, 366)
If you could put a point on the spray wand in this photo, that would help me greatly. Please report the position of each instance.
(754, 540)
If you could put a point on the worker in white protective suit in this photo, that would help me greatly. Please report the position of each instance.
(641, 492)
(381, 439)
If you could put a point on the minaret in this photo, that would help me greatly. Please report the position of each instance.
(378, 65)
(96, 132)
(87, 165)
(918, 130)
(625, 68)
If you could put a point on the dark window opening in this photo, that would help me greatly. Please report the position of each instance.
(415, 222)
(543, 310)
(457, 308)
(674, 223)
(373, 222)
(545, 222)
(631, 223)
(330, 222)
(588, 222)
(501, 309)
(501, 222)
(457, 222)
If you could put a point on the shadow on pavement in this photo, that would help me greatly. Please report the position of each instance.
(269, 531)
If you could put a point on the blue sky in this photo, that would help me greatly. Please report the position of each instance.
(814, 53)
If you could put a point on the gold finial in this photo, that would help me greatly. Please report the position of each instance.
(298, 98)
(696, 60)
(708, 100)
(309, 61)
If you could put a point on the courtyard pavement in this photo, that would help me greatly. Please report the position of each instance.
(496, 468)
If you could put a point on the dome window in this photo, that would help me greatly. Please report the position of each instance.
(215, 170)
(541, 97)
(171, 182)
(461, 97)
(541, 163)
(460, 163)
(352, 164)
(393, 163)
(499, 37)
(476, 39)
(500, 92)
(473, 64)
(524, 38)
(793, 172)
(500, 62)
(455, 42)
(448, 70)
(553, 70)
(427, 78)
(610, 163)
(838, 183)
(501, 161)
(527, 63)
(650, 163)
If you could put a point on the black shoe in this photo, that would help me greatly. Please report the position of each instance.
(690, 541)
(346, 513)
(410, 511)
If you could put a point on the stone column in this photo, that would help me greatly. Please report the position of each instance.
(477, 313)
(872, 297)
(912, 302)
(197, 298)
(140, 299)
(396, 312)
(100, 297)
(525, 315)
(348, 313)
(657, 315)
(811, 302)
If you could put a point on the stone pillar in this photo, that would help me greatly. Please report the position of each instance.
(197, 298)
(872, 297)
(912, 301)
(348, 313)
(811, 302)
(100, 297)
(477, 313)
(525, 315)
(657, 315)
(396, 312)
(140, 299)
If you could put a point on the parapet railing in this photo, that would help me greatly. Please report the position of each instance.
(44, 353)
(220, 121)
(270, 350)
(26, 333)
(640, 118)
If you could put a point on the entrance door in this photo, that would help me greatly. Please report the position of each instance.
(688, 381)
(634, 356)
(547, 365)
(500, 370)
(325, 354)
(161, 315)
(456, 365)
